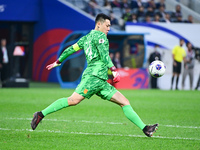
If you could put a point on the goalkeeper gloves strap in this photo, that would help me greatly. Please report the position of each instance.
(116, 75)
(53, 65)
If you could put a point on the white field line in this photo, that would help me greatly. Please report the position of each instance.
(101, 122)
(98, 134)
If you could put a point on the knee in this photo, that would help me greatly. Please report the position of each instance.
(125, 103)
(120, 100)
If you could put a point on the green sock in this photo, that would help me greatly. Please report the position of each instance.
(132, 116)
(55, 106)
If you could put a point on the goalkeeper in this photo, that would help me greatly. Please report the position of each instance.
(94, 78)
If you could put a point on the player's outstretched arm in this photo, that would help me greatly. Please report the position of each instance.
(53, 65)
(66, 53)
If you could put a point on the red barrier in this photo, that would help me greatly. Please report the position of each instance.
(133, 79)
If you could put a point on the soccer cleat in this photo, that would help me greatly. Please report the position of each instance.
(37, 117)
(149, 130)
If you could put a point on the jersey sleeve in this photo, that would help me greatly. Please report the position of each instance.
(72, 49)
(81, 42)
(102, 45)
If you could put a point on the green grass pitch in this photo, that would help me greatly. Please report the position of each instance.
(98, 124)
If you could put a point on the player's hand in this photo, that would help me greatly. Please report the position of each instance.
(53, 65)
(116, 75)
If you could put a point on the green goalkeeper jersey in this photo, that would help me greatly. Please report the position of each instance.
(96, 48)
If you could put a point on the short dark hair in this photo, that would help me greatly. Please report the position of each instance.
(101, 17)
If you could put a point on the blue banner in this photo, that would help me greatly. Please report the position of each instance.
(19, 10)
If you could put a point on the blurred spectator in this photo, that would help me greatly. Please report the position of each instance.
(151, 3)
(145, 3)
(177, 11)
(107, 5)
(134, 18)
(111, 56)
(179, 19)
(161, 12)
(140, 12)
(150, 12)
(136, 4)
(113, 20)
(5, 61)
(148, 19)
(124, 4)
(178, 54)
(117, 60)
(190, 19)
(115, 3)
(161, 3)
(127, 15)
(94, 3)
(188, 65)
(156, 18)
(154, 56)
(91, 8)
(167, 18)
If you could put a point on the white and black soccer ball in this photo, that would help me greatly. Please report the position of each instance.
(157, 69)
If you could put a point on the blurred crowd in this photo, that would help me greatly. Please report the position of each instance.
(142, 11)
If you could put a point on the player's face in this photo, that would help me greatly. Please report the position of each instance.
(105, 26)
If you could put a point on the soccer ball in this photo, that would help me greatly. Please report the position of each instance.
(157, 69)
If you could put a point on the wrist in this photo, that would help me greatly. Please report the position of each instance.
(113, 68)
(58, 62)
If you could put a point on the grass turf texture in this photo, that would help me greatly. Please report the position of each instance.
(96, 123)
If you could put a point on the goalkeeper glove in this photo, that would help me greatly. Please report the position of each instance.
(53, 65)
(116, 75)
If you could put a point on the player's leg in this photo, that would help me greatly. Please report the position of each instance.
(154, 83)
(74, 99)
(178, 73)
(110, 93)
(191, 75)
(174, 74)
(82, 91)
(177, 79)
(121, 100)
(172, 81)
(183, 79)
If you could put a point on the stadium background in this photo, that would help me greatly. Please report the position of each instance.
(94, 123)
(42, 27)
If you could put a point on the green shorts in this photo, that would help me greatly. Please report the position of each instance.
(91, 85)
